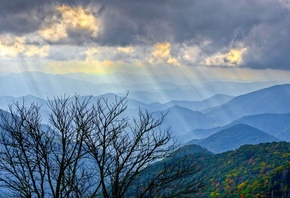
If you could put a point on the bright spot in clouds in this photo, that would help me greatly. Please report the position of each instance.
(126, 50)
(161, 54)
(12, 46)
(72, 19)
(233, 57)
(81, 36)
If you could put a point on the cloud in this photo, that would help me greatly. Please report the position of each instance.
(220, 22)
(136, 55)
(32, 51)
(285, 3)
(57, 22)
(73, 22)
(233, 57)
(268, 46)
(20, 16)
(190, 54)
(133, 29)
(161, 54)
(13, 46)
(126, 50)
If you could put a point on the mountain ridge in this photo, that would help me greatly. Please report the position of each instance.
(257, 102)
(234, 137)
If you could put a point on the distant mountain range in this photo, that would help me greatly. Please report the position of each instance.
(219, 123)
(234, 137)
(45, 85)
(266, 109)
(181, 120)
(275, 99)
(273, 124)
(213, 101)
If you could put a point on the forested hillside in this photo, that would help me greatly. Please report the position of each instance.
(261, 170)
(251, 171)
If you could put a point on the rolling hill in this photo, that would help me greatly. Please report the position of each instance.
(251, 171)
(181, 120)
(189, 150)
(273, 124)
(261, 170)
(213, 101)
(275, 99)
(234, 137)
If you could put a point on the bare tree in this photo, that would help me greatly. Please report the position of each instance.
(21, 152)
(89, 150)
(45, 160)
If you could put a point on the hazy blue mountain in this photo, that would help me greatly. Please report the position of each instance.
(216, 100)
(284, 135)
(5, 113)
(273, 124)
(182, 120)
(183, 115)
(197, 92)
(213, 101)
(5, 101)
(26, 100)
(190, 149)
(236, 88)
(234, 137)
(204, 133)
(46, 85)
(132, 110)
(166, 95)
(111, 98)
(275, 99)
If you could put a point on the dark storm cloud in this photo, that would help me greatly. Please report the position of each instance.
(25, 16)
(269, 45)
(181, 20)
(15, 16)
(262, 26)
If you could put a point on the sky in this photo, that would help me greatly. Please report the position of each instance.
(245, 40)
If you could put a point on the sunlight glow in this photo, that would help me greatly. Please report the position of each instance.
(126, 50)
(92, 67)
(13, 46)
(72, 19)
(39, 51)
(233, 57)
(162, 54)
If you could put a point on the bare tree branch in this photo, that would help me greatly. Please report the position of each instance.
(90, 150)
